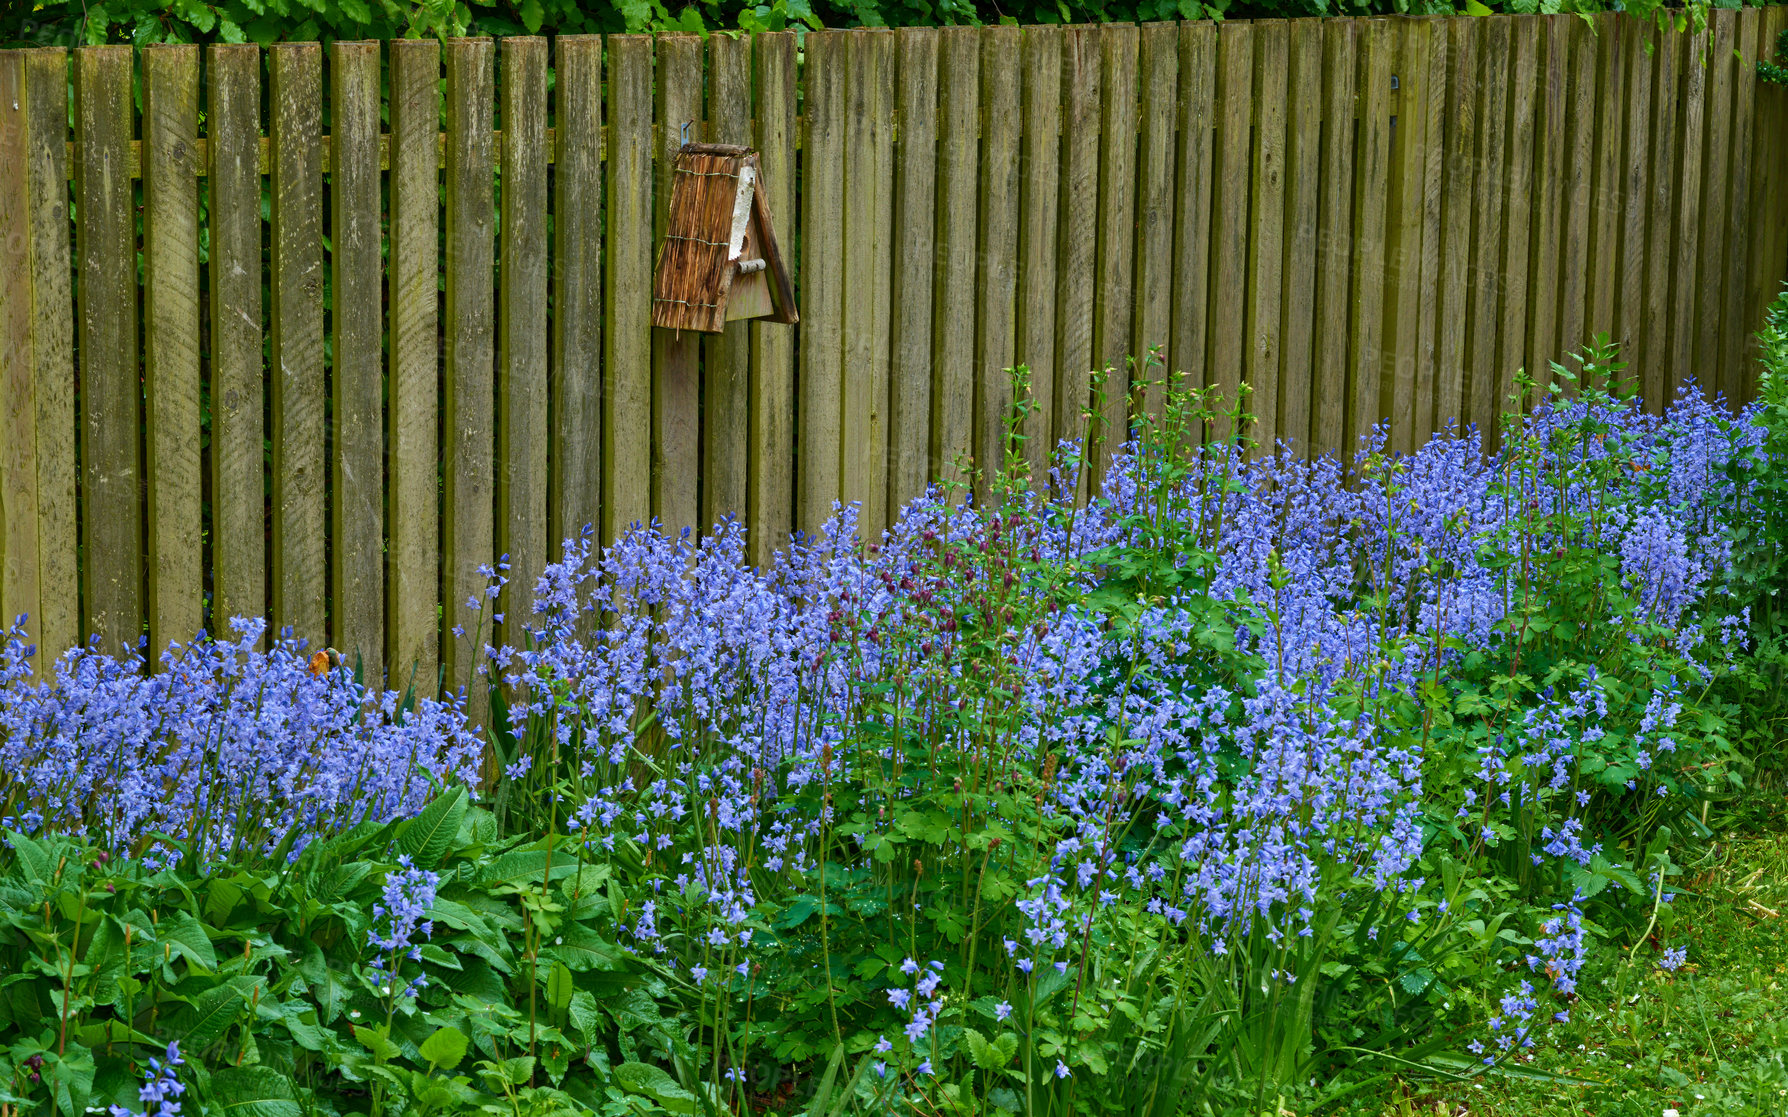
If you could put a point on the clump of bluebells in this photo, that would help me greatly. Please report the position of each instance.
(232, 750)
(400, 927)
(160, 1092)
(1245, 726)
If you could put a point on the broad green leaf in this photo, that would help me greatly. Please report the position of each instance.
(430, 834)
(559, 986)
(251, 1091)
(652, 1082)
(445, 1048)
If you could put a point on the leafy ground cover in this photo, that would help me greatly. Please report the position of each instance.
(1254, 785)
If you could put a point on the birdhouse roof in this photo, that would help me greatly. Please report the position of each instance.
(716, 200)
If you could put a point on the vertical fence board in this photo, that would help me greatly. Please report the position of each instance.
(1768, 246)
(523, 415)
(1334, 236)
(171, 343)
(468, 531)
(676, 356)
(1573, 263)
(1511, 334)
(1113, 283)
(1693, 99)
(726, 360)
(1372, 174)
(1636, 163)
(111, 392)
(1429, 371)
(953, 311)
(1660, 198)
(1192, 201)
(996, 281)
(52, 323)
(915, 178)
(1078, 232)
(627, 255)
(575, 379)
(238, 425)
(1303, 177)
(1548, 194)
(1603, 258)
(1736, 324)
(1038, 209)
(1266, 235)
(822, 280)
(770, 503)
(295, 284)
(357, 496)
(1715, 168)
(1483, 317)
(1403, 235)
(1152, 312)
(18, 391)
(412, 555)
(867, 215)
(1227, 319)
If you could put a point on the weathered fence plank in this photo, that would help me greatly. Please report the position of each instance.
(1079, 236)
(18, 390)
(1511, 332)
(1403, 234)
(575, 378)
(915, 199)
(1372, 173)
(1334, 236)
(676, 357)
(1303, 178)
(1227, 324)
(726, 360)
(771, 503)
(627, 289)
(1266, 236)
(996, 259)
(868, 220)
(1152, 311)
(953, 307)
(1039, 210)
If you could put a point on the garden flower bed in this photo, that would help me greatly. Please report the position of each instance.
(1251, 783)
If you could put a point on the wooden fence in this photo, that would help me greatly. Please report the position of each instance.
(333, 405)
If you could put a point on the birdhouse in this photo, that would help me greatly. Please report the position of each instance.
(719, 261)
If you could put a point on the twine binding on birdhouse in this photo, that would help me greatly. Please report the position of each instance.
(714, 236)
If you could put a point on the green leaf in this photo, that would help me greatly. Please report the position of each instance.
(652, 1082)
(533, 15)
(376, 1041)
(986, 1055)
(581, 947)
(188, 938)
(444, 1049)
(584, 1015)
(559, 986)
(252, 1091)
(430, 834)
(213, 1013)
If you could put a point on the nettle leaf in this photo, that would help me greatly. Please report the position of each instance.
(252, 1091)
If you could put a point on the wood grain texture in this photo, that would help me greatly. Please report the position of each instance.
(171, 344)
(1769, 191)
(1077, 230)
(915, 198)
(1265, 307)
(1548, 193)
(1372, 169)
(1634, 191)
(1706, 358)
(771, 500)
(1511, 337)
(469, 340)
(357, 452)
(1403, 235)
(1303, 183)
(1227, 320)
(1334, 237)
(1603, 254)
(575, 378)
(1573, 264)
(1742, 226)
(238, 377)
(45, 107)
(627, 345)
(953, 314)
(726, 359)
(1684, 289)
(996, 279)
(1114, 279)
(676, 356)
(868, 220)
(1429, 371)
(18, 389)
(1654, 334)
(110, 383)
(1039, 212)
(523, 426)
(822, 281)
(1151, 316)
(295, 321)
(412, 555)
(1483, 378)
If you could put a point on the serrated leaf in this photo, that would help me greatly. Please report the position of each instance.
(251, 1091)
(985, 1055)
(445, 1048)
(430, 834)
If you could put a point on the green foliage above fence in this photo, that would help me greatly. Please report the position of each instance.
(142, 22)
